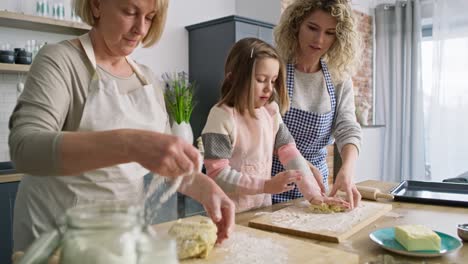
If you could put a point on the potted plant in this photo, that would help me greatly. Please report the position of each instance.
(178, 95)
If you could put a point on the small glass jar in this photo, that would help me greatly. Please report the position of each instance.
(112, 234)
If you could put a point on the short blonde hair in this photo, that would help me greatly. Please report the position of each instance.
(83, 10)
(342, 57)
(239, 76)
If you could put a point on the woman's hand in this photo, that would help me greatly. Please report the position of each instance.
(163, 154)
(216, 203)
(281, 182)
(343, 182)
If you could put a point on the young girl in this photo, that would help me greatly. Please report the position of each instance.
(245, 128)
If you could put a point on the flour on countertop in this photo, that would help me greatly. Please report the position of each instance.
(299, 217)
(394, 215)
(244, 248)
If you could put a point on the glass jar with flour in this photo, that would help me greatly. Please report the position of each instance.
(99, 234)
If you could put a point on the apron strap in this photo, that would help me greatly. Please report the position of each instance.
(290, 80)
(89, 50)
(137, 70)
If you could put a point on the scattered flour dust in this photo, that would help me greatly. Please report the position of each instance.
(244, 248)
(300, 218)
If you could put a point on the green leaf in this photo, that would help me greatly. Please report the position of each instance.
(179, 96)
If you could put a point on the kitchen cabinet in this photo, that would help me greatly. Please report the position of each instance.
(209, 44)
(7, 203)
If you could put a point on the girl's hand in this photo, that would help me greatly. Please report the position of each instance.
(318, 177)
(282, 182)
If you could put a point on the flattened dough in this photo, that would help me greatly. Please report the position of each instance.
(325, 208)
(194, 239)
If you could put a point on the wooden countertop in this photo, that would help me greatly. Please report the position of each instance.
(442, 218)
(10, 177)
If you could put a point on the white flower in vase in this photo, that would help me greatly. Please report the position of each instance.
(178, 95)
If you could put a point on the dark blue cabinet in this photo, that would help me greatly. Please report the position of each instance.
(7, 203)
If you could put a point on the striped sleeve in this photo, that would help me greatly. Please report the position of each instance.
(218, 138)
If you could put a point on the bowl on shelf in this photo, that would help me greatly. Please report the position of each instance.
(20, 52)
(462, 231)
(7, 56)
(23, 59)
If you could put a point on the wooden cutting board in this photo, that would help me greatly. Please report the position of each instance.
(248, 245)
(299, 221)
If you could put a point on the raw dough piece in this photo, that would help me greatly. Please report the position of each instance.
(194, 239)
(325, 208)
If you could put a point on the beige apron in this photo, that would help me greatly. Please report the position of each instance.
(41, 200)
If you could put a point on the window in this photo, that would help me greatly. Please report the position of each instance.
(450, 99)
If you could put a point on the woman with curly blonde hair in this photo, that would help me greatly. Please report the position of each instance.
(319, 41)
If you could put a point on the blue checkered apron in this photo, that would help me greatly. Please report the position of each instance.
(311, 131)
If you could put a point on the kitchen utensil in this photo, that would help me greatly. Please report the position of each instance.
(462, 231)
(101, 233)
(299, 221)
(371, 193)
(440, 193)
(385, 238)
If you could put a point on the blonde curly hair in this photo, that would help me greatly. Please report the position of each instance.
(342, 57)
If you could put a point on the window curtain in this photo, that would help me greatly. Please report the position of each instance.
(398, 86)
(448, 119)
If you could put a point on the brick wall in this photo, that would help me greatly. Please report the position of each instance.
(362, 81)
(363, 88)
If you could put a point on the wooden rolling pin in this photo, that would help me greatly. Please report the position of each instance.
(371, 193)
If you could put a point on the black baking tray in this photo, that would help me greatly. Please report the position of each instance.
(440, 193)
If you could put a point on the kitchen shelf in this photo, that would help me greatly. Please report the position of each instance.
(13, 68)
(45, 24)
(10, 178)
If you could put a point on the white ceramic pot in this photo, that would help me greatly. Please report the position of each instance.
(183, 130)
(363, 116)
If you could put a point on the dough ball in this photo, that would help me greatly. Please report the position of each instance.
(194, 239)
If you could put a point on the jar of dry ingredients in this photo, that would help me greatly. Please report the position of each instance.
(103, 234)
(112, 234)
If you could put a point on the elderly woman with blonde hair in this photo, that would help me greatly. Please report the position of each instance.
(319, 42)
(91, 123)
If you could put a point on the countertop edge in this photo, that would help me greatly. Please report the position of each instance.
(6, 178)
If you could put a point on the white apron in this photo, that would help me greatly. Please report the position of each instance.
(41, 200)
